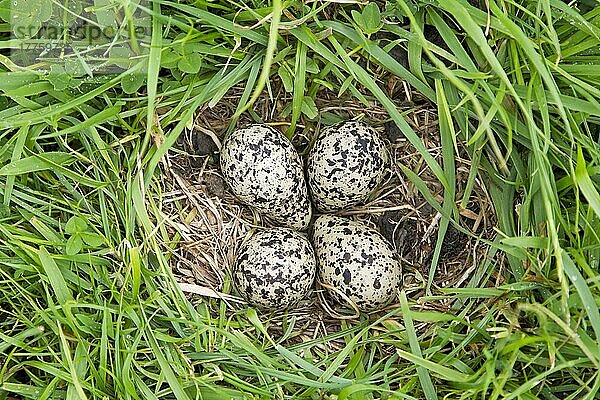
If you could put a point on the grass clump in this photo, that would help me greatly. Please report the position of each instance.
(89, 305)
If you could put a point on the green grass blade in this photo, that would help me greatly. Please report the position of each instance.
(36, 163)
(422, 371)
(55, 277)
(154, 58)
(589, 303)
(299, 86)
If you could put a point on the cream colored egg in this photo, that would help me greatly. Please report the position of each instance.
(275, 268)
(356, 261)
(264, 171)
(345, 165)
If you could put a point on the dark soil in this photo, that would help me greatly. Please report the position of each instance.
(400, 231)
(213, 184)
(455, 243)
(199, 146)
(405, 233)
(392, 131)
(204, 145)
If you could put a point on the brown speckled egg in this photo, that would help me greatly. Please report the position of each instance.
(264, 171)
(345, 165)
(275, 268)
(357, 261)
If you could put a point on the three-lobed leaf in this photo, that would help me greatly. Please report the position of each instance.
(78, 229)
(27, 16)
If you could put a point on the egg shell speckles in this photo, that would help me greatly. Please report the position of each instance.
(275, 268)
(264, 171)
(345, 165)
(357, 261)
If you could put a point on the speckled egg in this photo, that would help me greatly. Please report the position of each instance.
(356, 261)
(345, 165)
(275, 268)
(263, 170)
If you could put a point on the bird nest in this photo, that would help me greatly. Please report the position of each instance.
(209, 222)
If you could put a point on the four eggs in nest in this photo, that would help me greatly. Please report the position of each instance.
(275, 268)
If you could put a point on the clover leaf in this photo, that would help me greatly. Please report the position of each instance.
(27, 16)
(80, 235)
